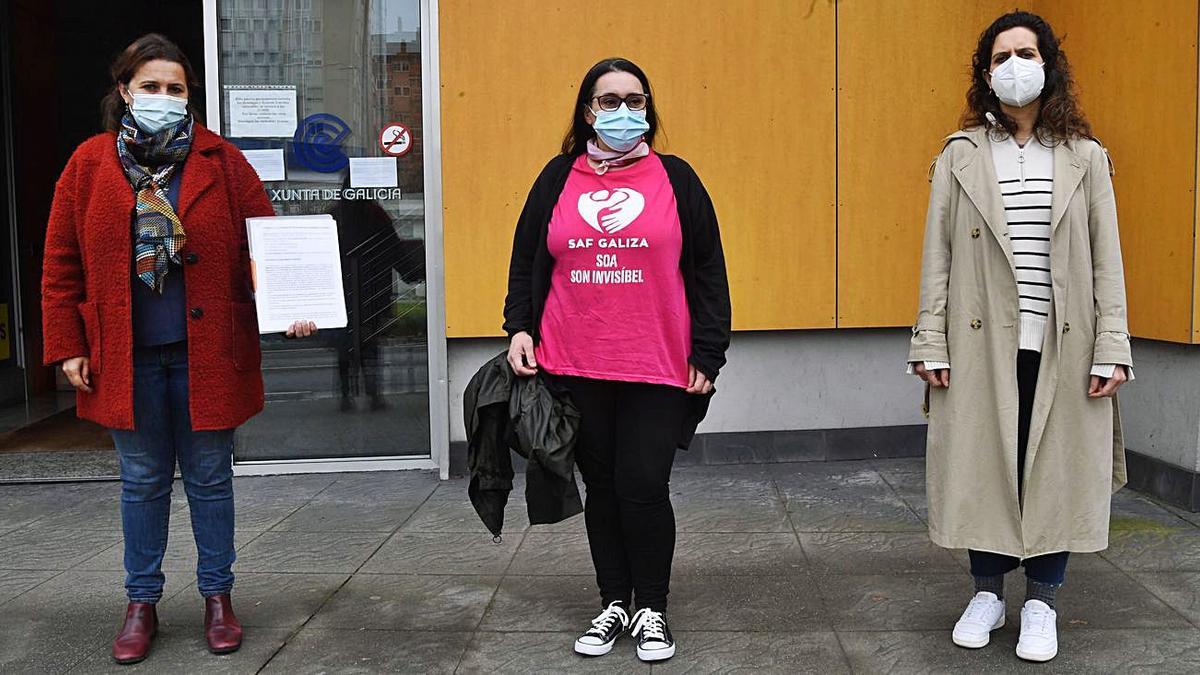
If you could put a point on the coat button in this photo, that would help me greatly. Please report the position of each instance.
(1066, 327)
(976, 324)
(197, 312)
(975, 233)
(191, 258)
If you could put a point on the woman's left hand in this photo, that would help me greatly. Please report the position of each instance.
(698, 382)
(1106, 388)
(301, 329)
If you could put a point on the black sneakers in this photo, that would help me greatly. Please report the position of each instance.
(606, 628)
(655, 642)
(653, 635)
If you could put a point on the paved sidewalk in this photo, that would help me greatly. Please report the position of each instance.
(821, 567)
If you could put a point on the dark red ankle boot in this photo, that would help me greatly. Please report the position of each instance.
(133, 642)
(221, 626)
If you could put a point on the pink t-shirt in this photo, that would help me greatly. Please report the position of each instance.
(617, 308)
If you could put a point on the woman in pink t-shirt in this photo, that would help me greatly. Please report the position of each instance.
(618, 295)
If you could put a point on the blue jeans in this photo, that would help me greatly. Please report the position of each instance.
(1052, 567)
(163, 434)
(1047, 569)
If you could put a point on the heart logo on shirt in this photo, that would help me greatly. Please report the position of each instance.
(610, 211)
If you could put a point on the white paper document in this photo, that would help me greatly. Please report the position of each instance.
(268, 163)
(262, 113)
(373, 172)
(297, 271)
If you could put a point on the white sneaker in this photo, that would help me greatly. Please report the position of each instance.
(606, 629)
(1039, 632)
(984, 615)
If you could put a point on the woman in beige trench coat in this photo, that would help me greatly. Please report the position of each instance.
(1023, 301)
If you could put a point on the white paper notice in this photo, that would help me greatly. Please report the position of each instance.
(373, 172)
(268, 164)
(262, 113)
(297, 271)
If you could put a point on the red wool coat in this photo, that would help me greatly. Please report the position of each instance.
(87, 277)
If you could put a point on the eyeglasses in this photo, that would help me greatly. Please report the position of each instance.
(611, 102)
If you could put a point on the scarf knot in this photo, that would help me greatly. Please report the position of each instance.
(150, 161)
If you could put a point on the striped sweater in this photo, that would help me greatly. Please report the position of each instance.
(1026, 177)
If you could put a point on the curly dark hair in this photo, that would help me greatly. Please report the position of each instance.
(1060, 117)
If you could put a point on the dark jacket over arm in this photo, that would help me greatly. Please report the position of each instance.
(502, 412)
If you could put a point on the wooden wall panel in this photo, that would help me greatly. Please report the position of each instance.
(901, 90)
(746, 92)
(1135, 64)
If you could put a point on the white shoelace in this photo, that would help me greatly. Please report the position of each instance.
(1037, 621)
(650, 624)
(977, 609)
(603, 623)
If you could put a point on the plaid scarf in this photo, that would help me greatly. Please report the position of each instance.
(149, 162)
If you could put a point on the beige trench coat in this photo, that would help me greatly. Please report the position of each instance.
(969, 317)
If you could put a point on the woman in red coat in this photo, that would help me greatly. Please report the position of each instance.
(148, 305)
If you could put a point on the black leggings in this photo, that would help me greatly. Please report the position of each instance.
(1052, 567)
(628, 436)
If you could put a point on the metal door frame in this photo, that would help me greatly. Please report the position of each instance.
(16, 338)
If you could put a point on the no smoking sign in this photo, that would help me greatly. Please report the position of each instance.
(395, 139)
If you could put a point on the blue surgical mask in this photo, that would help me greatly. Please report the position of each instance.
(621, 129)
(155, 112)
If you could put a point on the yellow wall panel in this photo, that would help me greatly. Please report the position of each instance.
(1135, 64)
(897, 100)
(746, 92)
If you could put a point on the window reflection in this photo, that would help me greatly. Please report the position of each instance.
(361, 391)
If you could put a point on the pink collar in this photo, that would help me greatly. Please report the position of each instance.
(607, 159)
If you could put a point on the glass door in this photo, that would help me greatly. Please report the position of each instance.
(12, 373)
(326, 98)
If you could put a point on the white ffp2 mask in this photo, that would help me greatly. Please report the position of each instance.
(1018, 81)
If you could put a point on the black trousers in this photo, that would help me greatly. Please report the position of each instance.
(368, 364)
(1052, 567)
(628, 435)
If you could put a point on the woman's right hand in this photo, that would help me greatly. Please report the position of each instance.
(935, 378)
(520, 353)
(78, 371)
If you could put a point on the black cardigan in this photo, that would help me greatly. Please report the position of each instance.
(702, 261)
